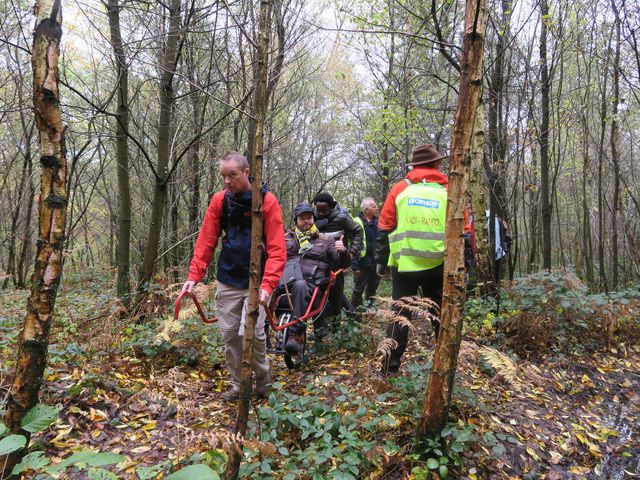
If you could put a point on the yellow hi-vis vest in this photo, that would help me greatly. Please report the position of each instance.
(363, 252)
(417, 243)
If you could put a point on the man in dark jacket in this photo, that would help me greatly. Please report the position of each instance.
(316, 254)
(331, 219)
(364, 268)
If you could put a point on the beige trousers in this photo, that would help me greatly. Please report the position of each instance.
(231, 306)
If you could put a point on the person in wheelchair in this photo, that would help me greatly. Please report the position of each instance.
(311, 256)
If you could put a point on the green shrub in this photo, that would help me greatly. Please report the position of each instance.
(553, 311)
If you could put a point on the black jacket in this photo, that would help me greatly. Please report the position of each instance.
(338, 221)
(371, 232)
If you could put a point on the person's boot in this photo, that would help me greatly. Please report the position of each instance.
(262, 391)
(263, 385)
(295, 343)
(232, 394)
(318, 347)
(356, 299)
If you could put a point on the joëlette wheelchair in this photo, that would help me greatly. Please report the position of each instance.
(280, 317)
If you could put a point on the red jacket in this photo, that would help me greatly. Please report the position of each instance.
(388, 220)
(275, 247)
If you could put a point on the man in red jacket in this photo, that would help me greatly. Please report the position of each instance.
(230, 212)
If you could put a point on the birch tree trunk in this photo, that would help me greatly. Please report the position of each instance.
(482, 260)
(256, 156)
(34, 337)
(438, 396)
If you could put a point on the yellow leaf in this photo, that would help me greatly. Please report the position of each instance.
(533, 453)
(593, 436)
(627, 363)
(141, 449)
(96, 433)
(586, 380)
(97, 415)
(580, 437)
(62, 435)
(555, 457)
(578, 470)
(150, 426)
(595, 451)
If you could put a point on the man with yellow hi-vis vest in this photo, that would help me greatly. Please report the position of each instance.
(411, 241)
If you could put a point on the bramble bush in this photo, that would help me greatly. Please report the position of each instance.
(553, 311)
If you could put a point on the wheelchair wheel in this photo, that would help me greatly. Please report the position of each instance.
(293, 362)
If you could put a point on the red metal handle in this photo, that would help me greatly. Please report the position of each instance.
(310, 312)
(176, 310)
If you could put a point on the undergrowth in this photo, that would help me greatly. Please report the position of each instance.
(554, 313)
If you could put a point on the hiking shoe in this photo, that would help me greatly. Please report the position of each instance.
(294, 344)
(318, 348)
(262, 391)
(232, 394)
(386, 373)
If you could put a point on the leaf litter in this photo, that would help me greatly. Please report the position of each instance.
(572, 416)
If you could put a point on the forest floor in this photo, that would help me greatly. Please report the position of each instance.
(555, 417)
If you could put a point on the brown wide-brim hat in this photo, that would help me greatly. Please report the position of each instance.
(424, 154)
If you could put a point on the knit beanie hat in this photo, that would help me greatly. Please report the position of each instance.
(302, 207)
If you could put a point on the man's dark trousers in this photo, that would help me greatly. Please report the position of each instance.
(405, 284)
(366, 282)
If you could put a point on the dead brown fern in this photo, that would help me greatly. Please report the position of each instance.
(230, 442)
(386, 346)
(505, 368)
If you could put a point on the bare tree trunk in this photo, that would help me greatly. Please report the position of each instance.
(614, 149)
(26, 239)
(497, 143)
(194, 156)
(260, 111)
(13, 233)
(122, 150)
(477, 187)
(169, 65)
(587, 248)
(438, 396)
(34, 338)
(604, 284)
(547, 205)
(534, 202)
